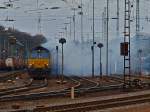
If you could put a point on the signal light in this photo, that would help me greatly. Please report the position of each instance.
(124, 49)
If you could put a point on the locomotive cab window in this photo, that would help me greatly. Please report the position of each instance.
(39, 54)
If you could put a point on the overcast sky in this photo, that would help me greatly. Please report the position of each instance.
(25, 14)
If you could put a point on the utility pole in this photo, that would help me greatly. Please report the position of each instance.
(93, 40)
(100, 45)
(74, 23)
(118, 8)
(57, 61)
(107, 39)
(37, 4)
(1, 47)
(110, 60)
(66, 32)
(137, 16)
(82, 38)
(104, 24)
(81, 22)
(140, 60)
(103, 18)
(70, 26)
(39, 22)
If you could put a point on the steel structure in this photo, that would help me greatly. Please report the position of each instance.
(137, 16)
(127, 59)
(107, 39)
(74, 24)
(70, 33)
(57, 59)
(117, 28)
(93, 43)
(39, 23)
(104, 24)
(82, 39)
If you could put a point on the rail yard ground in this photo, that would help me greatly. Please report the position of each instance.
(30, 105)
(145, 107)
(51, 94)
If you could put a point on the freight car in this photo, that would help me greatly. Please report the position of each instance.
(2, 64)
(14, 63)
(39, 63)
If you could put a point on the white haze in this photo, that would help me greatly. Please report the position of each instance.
(77, 59)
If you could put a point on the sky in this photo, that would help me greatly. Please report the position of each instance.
(26, 14)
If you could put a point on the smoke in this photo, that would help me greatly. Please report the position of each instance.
(78, 57)
(142, 42)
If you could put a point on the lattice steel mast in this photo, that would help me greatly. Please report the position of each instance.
(127, 59)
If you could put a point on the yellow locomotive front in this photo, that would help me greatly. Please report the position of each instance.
(39, 63)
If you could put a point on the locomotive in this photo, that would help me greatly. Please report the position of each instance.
(39, 63)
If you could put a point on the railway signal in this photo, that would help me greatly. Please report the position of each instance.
(124, 49)
(100, 45)
(62, 41)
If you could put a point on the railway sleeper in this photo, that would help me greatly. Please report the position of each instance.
(103, 106)
(75, 107)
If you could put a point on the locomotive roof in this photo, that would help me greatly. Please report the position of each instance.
(40, 48)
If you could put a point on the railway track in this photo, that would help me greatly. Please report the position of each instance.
(25, 95)
(96, 105)
(133, 77)
(17, 87)
(106, 81)
(9, 75)
(143, 81)
(32, 85)
(83, 86)
(116, 79)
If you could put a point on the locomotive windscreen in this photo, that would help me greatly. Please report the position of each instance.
(39, 54)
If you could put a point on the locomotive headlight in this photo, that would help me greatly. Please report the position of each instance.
(46, 65)
(30, 65)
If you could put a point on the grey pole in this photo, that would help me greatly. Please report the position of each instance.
(107, 38)
(100, 45)
(100, 64)
(118, 17)
(62, 41)
(70, 25)
(0, 47)
(82, 40)
(57, 61)
(140, 60)
(93, 40)
(92, 47)
(62, 71)
(74, 25)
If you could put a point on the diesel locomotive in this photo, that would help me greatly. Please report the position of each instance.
(39, 63)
